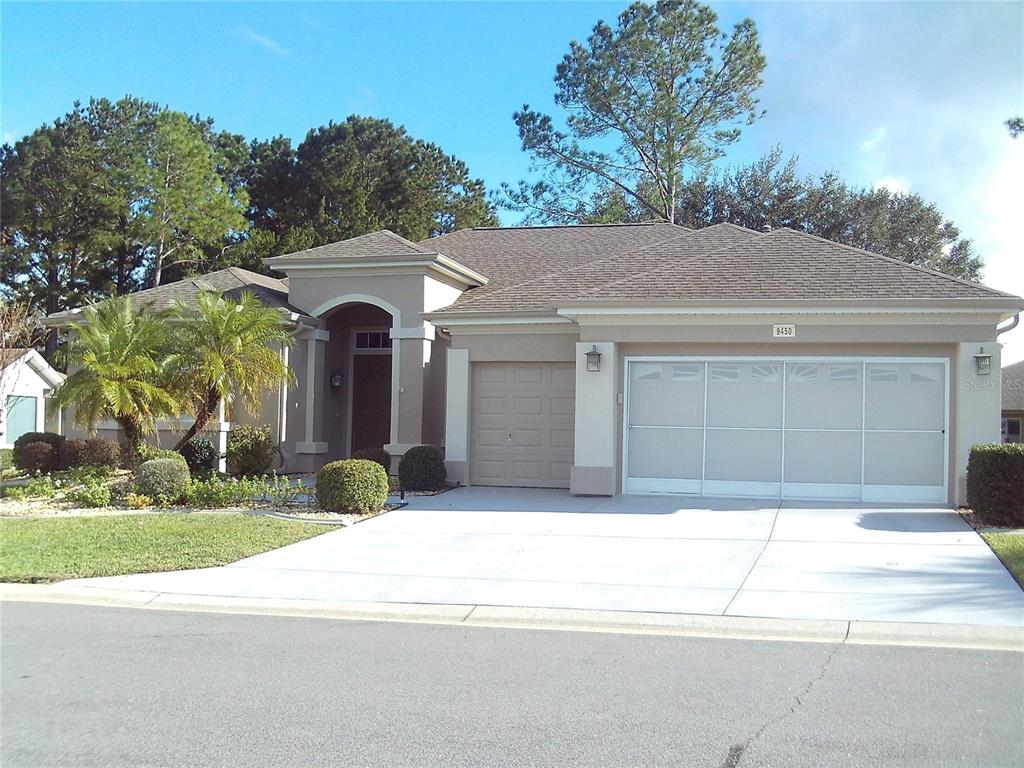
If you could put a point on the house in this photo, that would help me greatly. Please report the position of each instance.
(636, 358)
(1012, 401)
(26, 381)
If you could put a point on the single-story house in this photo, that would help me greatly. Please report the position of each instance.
(1013, 402)
(26, 382)
(636, 358)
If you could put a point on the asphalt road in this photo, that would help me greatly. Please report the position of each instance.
(85, 686)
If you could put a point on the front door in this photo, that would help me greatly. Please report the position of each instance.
(371, 401)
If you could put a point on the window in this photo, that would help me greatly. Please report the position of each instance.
(725, 372)
(21, 417)
(373, 340)
(1011, 430)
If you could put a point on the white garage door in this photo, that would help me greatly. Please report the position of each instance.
(522, 423)
(868, 429)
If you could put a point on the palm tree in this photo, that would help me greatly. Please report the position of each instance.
(228, 348)
(117, 357)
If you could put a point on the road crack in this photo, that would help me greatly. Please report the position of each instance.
(738, 751)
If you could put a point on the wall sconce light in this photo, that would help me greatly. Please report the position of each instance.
(593, 359)
(337, 380)
(982, 363)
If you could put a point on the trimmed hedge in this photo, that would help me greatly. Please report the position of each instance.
(422, 469)
(378, 455)
(995, 483)
(37, 458)
(101, 452)
(49, 438)
(250, 450)
(200, 454)
(356, 486)
(165, 480)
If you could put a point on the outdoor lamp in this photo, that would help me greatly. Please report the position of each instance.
(982, 363)
(594, 359)
(336, 381)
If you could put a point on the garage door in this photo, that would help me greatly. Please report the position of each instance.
(522, 424)
(868, 429)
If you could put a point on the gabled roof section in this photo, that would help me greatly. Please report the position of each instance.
(33, 360)
(1013, 387)
(230, 283)
(382, 244)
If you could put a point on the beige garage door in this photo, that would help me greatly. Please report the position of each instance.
(522, 424)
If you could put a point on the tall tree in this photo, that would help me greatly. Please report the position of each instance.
(650, 102)
(226, 347)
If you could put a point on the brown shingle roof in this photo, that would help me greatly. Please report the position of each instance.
(230, 282)
(1013, 387)
(8, 356)
(382, 243)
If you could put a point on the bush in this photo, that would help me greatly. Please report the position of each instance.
(354, 485)
(150, 452)
(378, 455)
(422, 469)
(35, 487)
(200, 454)
(250, 450)
(37, 458)
(212, 493)
(101, 452)
(28, 438)
(93, 494)
(165, 480)
(995, 483)
(137, 501)
(72, 454)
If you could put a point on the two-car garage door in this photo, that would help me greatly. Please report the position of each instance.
(868, 429)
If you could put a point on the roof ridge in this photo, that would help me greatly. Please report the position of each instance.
(890, 259)
(573, 226)
(395, 236)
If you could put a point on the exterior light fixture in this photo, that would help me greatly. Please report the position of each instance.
(336, 381)
(982, 363)
(594, 359)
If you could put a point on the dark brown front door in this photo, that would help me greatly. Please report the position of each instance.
(371, 401)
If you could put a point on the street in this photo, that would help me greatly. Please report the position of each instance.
(87, 686)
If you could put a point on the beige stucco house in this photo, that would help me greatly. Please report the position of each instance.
(636, 358)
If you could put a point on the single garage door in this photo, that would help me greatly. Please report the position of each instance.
(870, 429)
(522, 423)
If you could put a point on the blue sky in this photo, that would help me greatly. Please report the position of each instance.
(910, 96)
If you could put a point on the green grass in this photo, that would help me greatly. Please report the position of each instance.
(35, 550)
(1009, 547)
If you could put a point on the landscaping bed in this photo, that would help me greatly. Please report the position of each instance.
(43, 550)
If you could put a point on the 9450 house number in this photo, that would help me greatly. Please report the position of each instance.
(783, 331)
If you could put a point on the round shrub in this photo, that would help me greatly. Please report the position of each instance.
(50, 438)
(37, 458)
(354, 485)
(101, 452)
(422, 469)
(71, 454)
(149, 452)
(165, 480)
(250, 450)
(995, 483)
(378, 455)
(200, 454)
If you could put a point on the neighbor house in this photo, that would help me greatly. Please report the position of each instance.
(635, 358)
(1013, 402)
(26, 383)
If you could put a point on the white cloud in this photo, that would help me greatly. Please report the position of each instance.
(10, 137)
(266, 43)
(893, 184)
(874, 141)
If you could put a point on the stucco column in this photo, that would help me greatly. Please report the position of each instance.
(456, 415)
(312, 384)
(410, 352)
(977, 401)
(593, 470)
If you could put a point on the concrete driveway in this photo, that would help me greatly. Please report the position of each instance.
(536, 548)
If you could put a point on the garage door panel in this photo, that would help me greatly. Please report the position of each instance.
(522, 427)
(904, 458)
(744, 455)
(823, 457)
(665, 453)
(744, 395)
(824, 395)
(670, 394)
(905, 396)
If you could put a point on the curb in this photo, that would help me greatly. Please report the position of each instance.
(564, 619)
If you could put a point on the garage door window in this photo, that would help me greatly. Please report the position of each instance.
(800, 428)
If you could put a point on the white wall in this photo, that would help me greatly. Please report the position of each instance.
(19, 380)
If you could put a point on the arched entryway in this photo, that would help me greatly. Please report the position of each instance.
(360, 360)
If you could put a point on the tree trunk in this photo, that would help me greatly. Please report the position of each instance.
(206, 410)
(133, 439)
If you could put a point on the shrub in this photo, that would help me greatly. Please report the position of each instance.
(89, 474)
(165, 480)
(6, 458)
(137, 501)
(378, 455)
(422, 469)
(250, 450)
(71, 454)
(353, 485)
(212, 493)
(281, 491)
(28, 438)
(200, 454)
(35, 487)
(101, 452)
(150, 452)
(995, 483)
(92, 494)
(37, 458)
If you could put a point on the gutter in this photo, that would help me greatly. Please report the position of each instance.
(1013, 324)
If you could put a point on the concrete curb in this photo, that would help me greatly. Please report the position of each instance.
(565, 619)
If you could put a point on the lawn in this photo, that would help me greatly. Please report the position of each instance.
(36, 550)
(1009, 547)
